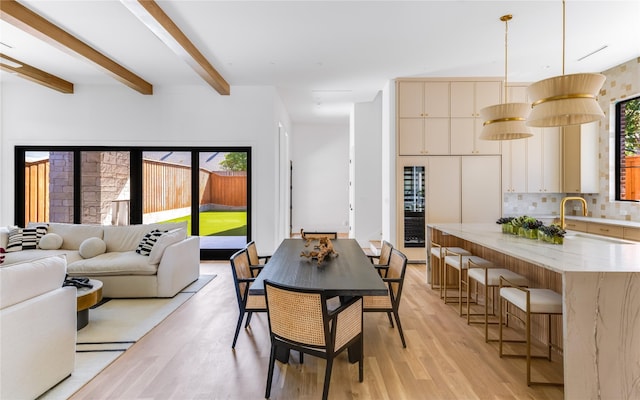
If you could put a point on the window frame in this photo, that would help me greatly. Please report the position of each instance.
(136, 184)
(620, 126)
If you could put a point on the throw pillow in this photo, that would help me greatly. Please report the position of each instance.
(25, 238)
(164, 241)
(92, 247)
(50, 241)
(148, 240)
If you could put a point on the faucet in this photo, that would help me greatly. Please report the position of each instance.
(564, 200)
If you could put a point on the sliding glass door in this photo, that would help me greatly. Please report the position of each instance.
(209, 188)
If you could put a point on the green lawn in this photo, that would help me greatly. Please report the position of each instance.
(219, 223)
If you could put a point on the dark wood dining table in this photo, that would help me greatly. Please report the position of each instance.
(348, 274)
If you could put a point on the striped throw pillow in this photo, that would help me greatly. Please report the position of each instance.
(25, 238)
(147, 242)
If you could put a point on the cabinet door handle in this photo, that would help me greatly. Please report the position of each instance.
(604, 230)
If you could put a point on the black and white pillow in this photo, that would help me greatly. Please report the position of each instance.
(147, 242)
(25, 238)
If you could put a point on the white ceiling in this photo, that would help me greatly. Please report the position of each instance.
(324, 55)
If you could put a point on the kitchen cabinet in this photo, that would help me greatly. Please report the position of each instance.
(580, 158)
(423, 118)
(544, 161)
(514, 152)
(574, 225)
(631, 233)
(467, 99)
(458, 189)
(444, 194)
(605, 229)
(514, 166)
(481, 189)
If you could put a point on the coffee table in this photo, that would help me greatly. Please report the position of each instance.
(86, 298)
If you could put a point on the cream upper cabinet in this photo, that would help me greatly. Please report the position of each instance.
(544, 161)
(467, 99)
(580, 158)
(514, 152)
(514, 166)
(423, 118)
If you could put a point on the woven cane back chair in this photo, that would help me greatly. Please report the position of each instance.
(299, 320)
(382, 261)
(256, 261)
(242, 277)
(394, 280)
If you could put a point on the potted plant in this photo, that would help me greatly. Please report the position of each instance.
(551, 234)
(506, 224)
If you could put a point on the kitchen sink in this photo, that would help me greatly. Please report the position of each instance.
(596, 238)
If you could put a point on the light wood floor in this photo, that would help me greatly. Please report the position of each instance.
(189, 356)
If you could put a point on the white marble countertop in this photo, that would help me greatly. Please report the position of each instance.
(581, 252)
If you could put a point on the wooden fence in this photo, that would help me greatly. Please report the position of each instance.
(36, 183)
(165, 187)
(632, 178)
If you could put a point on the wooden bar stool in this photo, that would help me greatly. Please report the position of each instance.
(460, 263)
(438, 252)
(530, 301)
(489, 278)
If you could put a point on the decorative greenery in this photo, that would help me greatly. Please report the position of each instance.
(632, 127)
(236, 161)
(552, 230)
(504, 220)
(531, 223)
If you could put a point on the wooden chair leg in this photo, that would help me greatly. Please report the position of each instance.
(395, 314)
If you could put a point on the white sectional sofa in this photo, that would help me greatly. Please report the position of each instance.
(108, 253)
(38, 327)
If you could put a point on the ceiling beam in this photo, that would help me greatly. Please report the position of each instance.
(34, 74)
(18, 15)
(150, 13)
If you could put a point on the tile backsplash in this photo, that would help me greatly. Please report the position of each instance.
(623, 81)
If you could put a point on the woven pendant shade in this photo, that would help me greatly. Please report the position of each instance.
(505, 121)
(565, 100)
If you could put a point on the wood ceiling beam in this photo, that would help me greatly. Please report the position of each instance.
(34, 74)
(150, 13)
(18, 15)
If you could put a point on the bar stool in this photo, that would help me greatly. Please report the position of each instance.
(460, 263)
(438, 252)
(530, 301)
(489, 278)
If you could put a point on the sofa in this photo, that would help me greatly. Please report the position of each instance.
(37, 325)
(132, 261)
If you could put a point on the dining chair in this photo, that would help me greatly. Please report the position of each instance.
(256, 261)
(243, 278)
(300, 320)
(382, 259)
(390, 303)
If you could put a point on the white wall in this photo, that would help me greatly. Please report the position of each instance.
(366, 179)
(172, 116)
(320, 155)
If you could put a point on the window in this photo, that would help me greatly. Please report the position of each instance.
(628, 150)
(207, 187)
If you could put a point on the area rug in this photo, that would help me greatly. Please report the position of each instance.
(114, 326)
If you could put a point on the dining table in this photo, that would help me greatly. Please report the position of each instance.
(347, 273)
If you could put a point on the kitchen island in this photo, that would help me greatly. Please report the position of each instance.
(599, 279)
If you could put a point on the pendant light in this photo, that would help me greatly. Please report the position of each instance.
(566, 99)
(505, 121)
